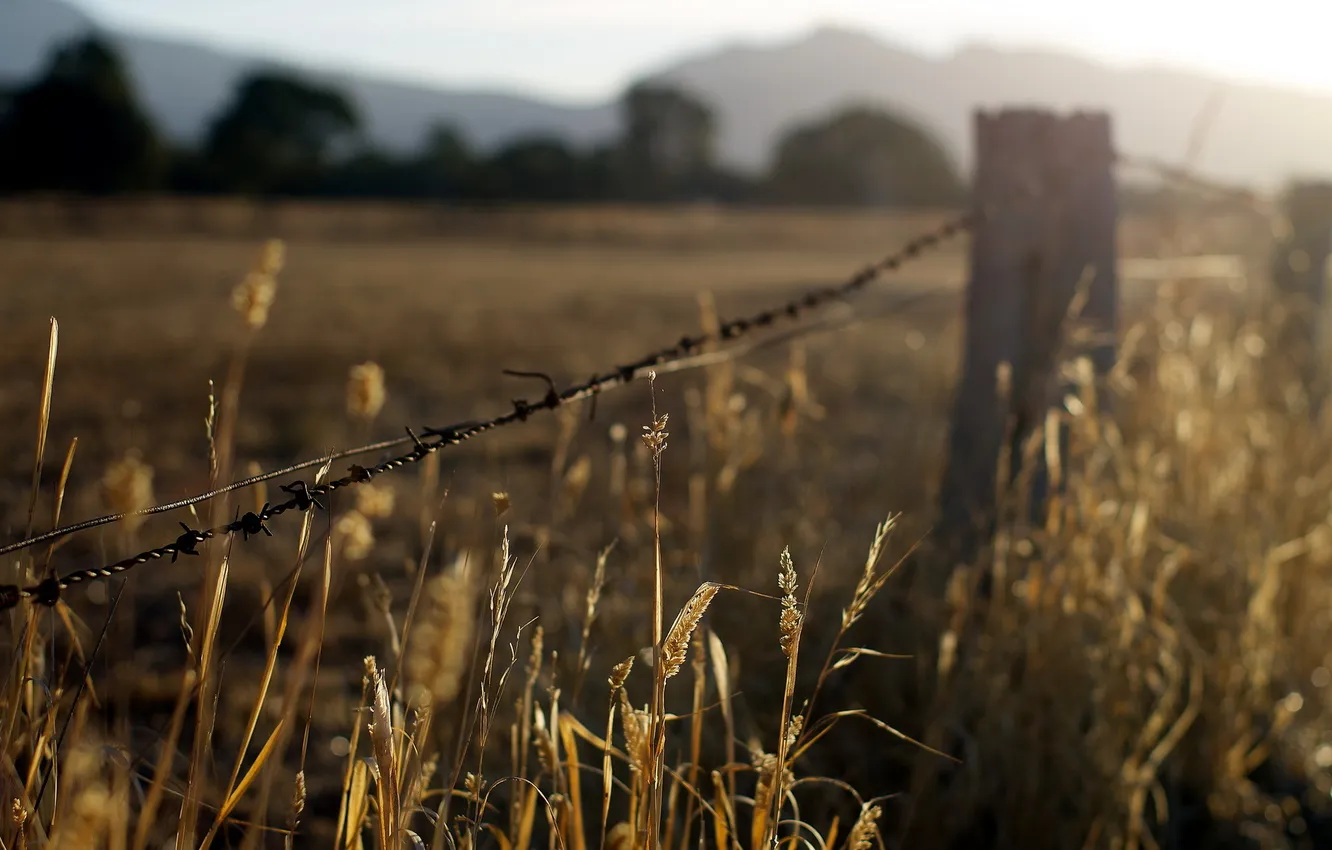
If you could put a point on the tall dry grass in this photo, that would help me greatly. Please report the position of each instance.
(673, 646)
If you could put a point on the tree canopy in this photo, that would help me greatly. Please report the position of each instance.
(78, 127)
(278, 132)
(666, 151)
(863, 156)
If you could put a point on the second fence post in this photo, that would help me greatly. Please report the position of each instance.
(1048, 182)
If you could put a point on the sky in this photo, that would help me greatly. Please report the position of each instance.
(588, 49)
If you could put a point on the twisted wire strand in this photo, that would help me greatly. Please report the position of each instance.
(304, 497)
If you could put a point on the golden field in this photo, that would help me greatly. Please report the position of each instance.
(1151, 669)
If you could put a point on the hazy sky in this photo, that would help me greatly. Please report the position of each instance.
(590, 48)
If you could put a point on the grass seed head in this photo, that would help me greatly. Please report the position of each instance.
(273, 257)
(441, 639)
(793, 730)
(620, 673)
(127, 487)
(865, 828)
(676, 647)
(365, 390)
(790, 620)
(354, 535)
(253, 297)
(374, 501)
(636, 724)
(654, 435)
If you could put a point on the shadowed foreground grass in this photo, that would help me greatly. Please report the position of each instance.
(460, 654)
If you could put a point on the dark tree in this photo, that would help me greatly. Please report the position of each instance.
(666, 151)
(79, 127)
(535, 169)
(445, 166)
(863, 157)
(372, 174)
(279, 134)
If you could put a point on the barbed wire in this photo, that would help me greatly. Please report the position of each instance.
(304, 497)
(688, 352)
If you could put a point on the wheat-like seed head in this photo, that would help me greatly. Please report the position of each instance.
(793, 730)
(127, 487)
(636, 724)
(867, 584)
(654, 435)
(676, 646)
(441, 638)
(545, 743)
(354, 535)
(365, 390)
(594, 589)
(576, 479)
(864, 829)
(298, 797)
(91, 809)
(385, 751)
(253, 297)
(375, 501)
(620, 673)
(273, 257)
(474, 785)
(790, 620)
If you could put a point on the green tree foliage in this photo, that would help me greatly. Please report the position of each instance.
(863, 156)
(79, 127)
(279, 134)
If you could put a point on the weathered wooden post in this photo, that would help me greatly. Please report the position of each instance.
(1049, 182)
(1299, 277)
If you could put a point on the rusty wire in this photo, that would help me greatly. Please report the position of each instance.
(305, 496)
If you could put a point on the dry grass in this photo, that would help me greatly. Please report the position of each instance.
(562, 636)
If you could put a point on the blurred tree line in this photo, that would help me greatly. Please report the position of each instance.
(79, 128)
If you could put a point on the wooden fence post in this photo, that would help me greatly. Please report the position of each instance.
(1299, 264)
(1050, 183)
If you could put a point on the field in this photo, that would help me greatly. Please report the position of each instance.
(1150, 669)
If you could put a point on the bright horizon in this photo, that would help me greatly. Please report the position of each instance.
(589, 49)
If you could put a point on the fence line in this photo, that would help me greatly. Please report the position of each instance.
(686, 353)
(303, 496)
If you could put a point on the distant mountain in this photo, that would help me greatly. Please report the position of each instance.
(183, 85)
(1260, 134)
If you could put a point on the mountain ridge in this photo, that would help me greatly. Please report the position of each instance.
(760, 89)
